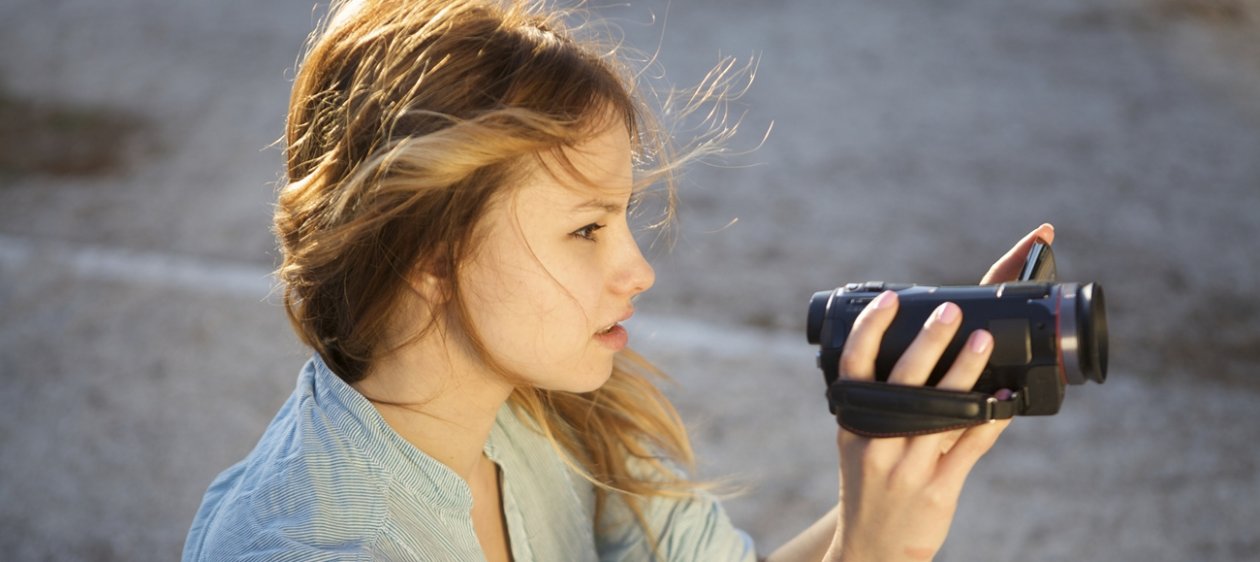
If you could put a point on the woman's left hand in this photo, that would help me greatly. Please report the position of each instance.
(1007, 267)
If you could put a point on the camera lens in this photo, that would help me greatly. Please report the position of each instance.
(1082, 332)
(1091, 312)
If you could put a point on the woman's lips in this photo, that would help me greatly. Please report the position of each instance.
(614, 338)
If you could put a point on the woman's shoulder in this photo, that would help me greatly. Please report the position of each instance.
(306, 483)
(294, 505)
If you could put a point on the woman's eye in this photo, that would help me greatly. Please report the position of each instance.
(587, 232)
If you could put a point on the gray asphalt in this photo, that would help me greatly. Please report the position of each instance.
(142, 349)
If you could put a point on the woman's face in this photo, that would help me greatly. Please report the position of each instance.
(556, 269)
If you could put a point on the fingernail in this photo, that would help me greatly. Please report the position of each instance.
(945, 314)
(979, 341)
(884, 300)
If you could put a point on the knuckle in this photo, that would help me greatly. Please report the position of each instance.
(877, 461)
(937, 496)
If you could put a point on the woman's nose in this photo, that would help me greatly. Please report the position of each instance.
(635, 275)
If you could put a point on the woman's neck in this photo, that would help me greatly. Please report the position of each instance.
(442, 408)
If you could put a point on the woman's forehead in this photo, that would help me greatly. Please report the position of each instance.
(596, 173)
(544, 190)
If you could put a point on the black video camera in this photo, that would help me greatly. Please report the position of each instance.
(1046, 335)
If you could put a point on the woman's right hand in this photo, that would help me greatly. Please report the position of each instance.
(898, 495)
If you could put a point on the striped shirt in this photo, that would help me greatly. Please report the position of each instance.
(330, 480)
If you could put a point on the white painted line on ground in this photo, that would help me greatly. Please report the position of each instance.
(254, 281)
(206, 275)
(677, 333)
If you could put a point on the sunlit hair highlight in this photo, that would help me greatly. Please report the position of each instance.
(406, 120)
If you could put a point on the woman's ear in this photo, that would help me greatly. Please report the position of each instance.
(430, 281)
(429, 287)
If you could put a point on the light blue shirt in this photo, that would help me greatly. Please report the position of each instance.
(330, 480)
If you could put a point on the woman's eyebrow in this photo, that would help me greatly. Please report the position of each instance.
(611, 207)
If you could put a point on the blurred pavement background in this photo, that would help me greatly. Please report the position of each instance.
(142, 350)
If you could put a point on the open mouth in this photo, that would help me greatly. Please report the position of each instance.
(613, 336)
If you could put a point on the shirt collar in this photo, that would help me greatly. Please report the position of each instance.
(353, 415)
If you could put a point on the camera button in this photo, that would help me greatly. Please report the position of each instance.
(869, 286)
(1019, 290)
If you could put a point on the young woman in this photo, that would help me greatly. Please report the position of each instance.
(457, 253)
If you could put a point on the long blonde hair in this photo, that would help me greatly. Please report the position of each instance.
(406, 118)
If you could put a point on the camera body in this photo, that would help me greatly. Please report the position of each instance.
(1045, 335)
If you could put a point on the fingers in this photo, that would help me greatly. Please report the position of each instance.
(962, 450)
(962, 376)
(954, 467)
(1007, 267)
(969, 364)
(857, 361)
(916, 364)
(914, 367)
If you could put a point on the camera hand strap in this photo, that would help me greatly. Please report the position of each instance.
(877, 409)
